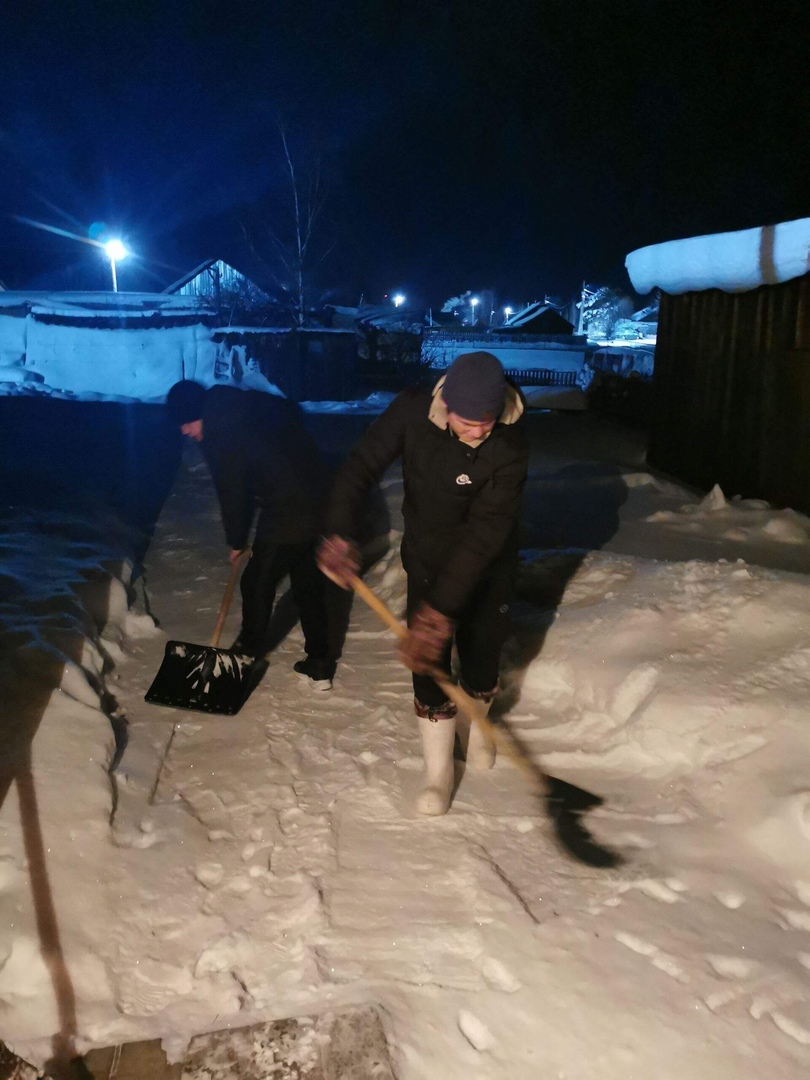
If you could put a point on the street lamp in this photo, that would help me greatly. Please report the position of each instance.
(508, 313)
(115, 251)
(473, 303)
(399, 299)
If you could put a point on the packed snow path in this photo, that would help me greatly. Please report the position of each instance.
(270, 865)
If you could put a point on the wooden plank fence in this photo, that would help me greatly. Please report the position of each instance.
(541, 377)
(731, 391)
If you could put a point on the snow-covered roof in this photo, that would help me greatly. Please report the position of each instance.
(732, 261)
(228, 275)
(528, 312)
(94, 304)
(536, 312)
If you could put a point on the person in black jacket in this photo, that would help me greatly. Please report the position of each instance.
(260, 455)
(464, 462)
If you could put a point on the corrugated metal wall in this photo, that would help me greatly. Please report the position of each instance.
(731, 391)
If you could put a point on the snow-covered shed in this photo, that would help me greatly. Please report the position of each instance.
(113, 344)
(731, 389)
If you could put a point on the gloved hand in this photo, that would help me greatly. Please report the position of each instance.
(428, 633)
(339, 559)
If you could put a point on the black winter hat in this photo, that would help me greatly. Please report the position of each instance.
(185, 401)
(475, 386)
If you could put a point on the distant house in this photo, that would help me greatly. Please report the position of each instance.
(537, 318)
(537, 347)
(214, 277)
(731, 386)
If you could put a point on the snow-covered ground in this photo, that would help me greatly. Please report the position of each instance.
(269, 864)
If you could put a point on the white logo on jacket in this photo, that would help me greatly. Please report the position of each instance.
(463, 479)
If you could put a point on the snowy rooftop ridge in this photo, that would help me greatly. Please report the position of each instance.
(91, 304)
(732, 261)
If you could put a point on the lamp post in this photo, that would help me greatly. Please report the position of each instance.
(508, 313)
(399, 299)
(115, 251)
(474, 301)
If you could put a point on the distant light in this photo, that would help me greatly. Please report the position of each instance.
(474, 301)
(399, 299)
(115, 250)
(507, 311)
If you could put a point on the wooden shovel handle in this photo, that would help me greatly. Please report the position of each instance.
(226, 599)
(381, 608)
(473, 707)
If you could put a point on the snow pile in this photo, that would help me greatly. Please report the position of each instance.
(734, 261)
(63, 616)
(659, 671)
(743, 520)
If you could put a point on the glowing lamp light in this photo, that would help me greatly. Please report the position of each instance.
(115, 251)
(399, 299)
(507, 312)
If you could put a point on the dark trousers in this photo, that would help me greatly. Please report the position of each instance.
(481, 630)
(267, 566)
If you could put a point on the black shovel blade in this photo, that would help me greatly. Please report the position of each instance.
(202, 678)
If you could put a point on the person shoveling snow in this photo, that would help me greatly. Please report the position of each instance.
(464, 463)
(258, 452)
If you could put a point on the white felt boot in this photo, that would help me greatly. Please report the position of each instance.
(477, 745)
(438, 737)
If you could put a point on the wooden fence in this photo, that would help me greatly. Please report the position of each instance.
(541, 377)
(731, 391)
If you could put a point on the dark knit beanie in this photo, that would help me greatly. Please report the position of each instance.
(185, 401)
(475, 386)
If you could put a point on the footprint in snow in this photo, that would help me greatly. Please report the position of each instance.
(475, 1031)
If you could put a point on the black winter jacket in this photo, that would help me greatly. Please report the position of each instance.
(462, 503)
(257, 449)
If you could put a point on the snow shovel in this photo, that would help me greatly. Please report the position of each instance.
(564, 802)
(205, 678)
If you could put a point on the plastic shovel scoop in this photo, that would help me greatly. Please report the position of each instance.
(205, 678)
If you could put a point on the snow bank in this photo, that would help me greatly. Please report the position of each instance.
(751, 521)
(658, 671)
(63, 617)
(734, 261)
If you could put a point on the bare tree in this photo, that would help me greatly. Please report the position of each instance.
(294, 241)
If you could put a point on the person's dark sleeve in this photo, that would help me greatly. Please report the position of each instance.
(493, 516)
(381, 445)
(236, 497)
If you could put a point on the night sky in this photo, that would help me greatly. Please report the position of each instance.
(521, 146)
